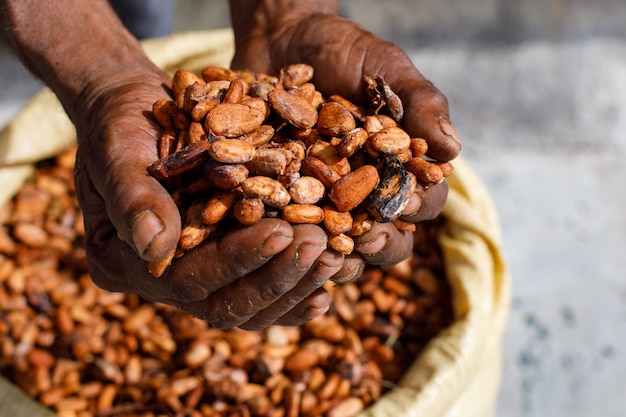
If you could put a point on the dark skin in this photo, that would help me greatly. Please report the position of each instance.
(107, 86)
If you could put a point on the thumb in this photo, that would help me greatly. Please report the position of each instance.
(139, 207)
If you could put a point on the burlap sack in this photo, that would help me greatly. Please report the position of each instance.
(457, 374)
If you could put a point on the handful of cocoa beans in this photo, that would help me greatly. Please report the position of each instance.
(240, 146)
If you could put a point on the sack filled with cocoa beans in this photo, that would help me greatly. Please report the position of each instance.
(420, 338)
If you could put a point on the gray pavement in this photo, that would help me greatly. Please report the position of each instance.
(543, 125)
(537, 90)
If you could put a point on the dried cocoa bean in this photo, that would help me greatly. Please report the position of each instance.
(181, 80)
(292, 108)
(349, 191)
(295, 74)
(392, 193)
(306, 190)
(214, 73)
(426, 172)
(181, 161)
(163, 111)
(337, 222)
(219, 206)
(342, 243)
(303, 214)
(269, 162)
(233, 119)
(335, 120)
(236, 91)
(392, 140)
(231, 151)
(249, 211)
(269, 190)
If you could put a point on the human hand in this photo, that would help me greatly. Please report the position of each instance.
(270, 36)
(250, 277)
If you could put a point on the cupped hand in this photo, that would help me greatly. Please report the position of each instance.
(341, 53)
(250, 277)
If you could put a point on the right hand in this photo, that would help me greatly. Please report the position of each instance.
(342, 52)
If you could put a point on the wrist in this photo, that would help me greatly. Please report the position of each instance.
(256, 22)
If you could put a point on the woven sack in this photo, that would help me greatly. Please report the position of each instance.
(457, 373)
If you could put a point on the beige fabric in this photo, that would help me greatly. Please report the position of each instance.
(15, 403)
(40, 129)
(458, 374)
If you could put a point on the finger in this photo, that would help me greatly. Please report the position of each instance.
(426, 116)
(223, 259)
(426, 113)
(313, 306)
(431, 201)
(137, 205)
(353, 266)
(384, 244)
(128, 273)
(100, 242)
(189, 278)
(327, 265)
(232, 305)
(340, 66)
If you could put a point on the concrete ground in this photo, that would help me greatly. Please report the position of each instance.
(537, 91)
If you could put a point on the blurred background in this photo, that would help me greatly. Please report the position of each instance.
(537, 91)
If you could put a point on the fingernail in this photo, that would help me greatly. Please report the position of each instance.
(374, 246)
(274, 244)
(312, 312)
(350, 275)
(413, 206)
(322, 273)
(146, 225)
(448, 130)
(306, 255)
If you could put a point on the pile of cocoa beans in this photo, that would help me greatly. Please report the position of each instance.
(239, 146)
(85, 352)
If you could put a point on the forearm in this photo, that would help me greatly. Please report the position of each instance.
(69, 44)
